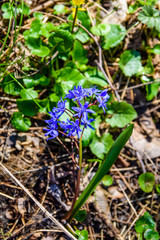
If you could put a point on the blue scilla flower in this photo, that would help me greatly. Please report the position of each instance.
(86, 122)
(60, 109)
(71, 128)
(102, 99)
(78, 93)
(93, 91)
(52, 132)
(82, 109)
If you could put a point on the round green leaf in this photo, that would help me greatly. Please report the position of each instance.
(59, 8)
(23, 9)
(145, 222)
(36, 80)
(20, 122)
(62, 39)
(114, 36)
(158, 188)
(100, 146)
(151, 235)
(10, 86)
(79, 54)
(38, 15)
(155, 49)
(43, 51)
(101, 29)
(81, 215)
(146, 181)
(46, 28)
(5, 6)
(83, 235)
(27, 107)
(88, 134)
(150, 16)
(122, 114)
(107, 180)
(130, 62)
(28, 93)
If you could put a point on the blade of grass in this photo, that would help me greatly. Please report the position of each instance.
(106, 165)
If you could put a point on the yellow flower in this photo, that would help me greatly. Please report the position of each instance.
(78, 2)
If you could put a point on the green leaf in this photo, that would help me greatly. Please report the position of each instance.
(148, 2)
(32, 42)
(23, 9)
(146, 182)
(94, 77)
(37, 79)
(8, 10)
(27, 107)
(54, 97)
(132, 8)
(28, 94)
(83, 17)
(130, 62)
(151, 235)
(107, 163)
(150, 16)
(100, 146)
(152, 90)
(123, 113)
(114, 36)
(20, 122)
(79, 54)
(38, 15)
(81, 215)
(35, 27)
(101, 29)
(59, 8)
(62, 40)
(43, 51)
(88, 134)
(107, 180)
(69, 78)
(155, 49)
(83, 235)
(82, 36)
(145, 222)
(10, 86)
(46, 28)
(158, 188)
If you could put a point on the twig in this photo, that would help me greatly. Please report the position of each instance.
(109, 82)
(58, 224)
(139, 85)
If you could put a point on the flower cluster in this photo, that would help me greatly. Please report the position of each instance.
(78, 119)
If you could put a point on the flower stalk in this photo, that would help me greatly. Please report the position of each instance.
(75, 18)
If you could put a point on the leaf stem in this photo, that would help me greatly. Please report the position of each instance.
(74, 20)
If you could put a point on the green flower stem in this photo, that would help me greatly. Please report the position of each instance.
(74, 20)
(78, 180)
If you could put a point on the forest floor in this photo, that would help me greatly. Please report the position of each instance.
(31, 163)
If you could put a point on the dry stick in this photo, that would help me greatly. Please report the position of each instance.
(58, 224)
(128, 200)
(42, 6)
(139, 85)
(109, 82)
(135, 220)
